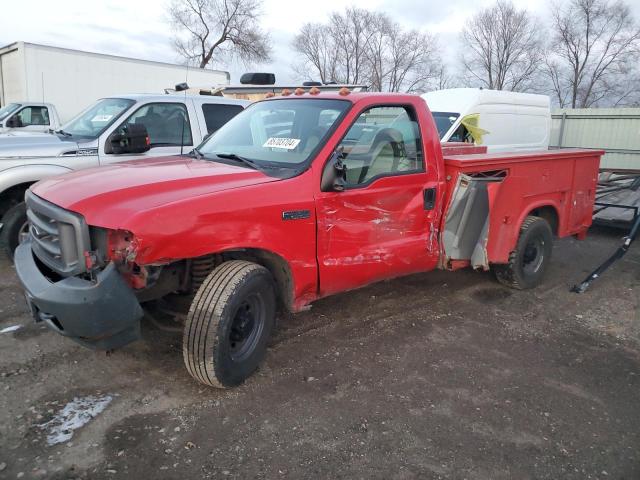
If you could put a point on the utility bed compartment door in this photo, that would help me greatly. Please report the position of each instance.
(466, 227)
(583, 193)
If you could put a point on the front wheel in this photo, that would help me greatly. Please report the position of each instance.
(528, 262)
(229, 324)
(15, 228)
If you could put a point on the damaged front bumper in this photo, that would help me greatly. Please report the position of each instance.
(99, 314)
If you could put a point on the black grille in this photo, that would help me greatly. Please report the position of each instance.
(59, 237)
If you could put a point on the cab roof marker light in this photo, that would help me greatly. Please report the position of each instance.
(299, 91)
(344, 91)
(286, 92)
(314, 91)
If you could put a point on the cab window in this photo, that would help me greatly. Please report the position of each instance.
(383, 141)
(216, 115)
(33, 116)
(167, 123)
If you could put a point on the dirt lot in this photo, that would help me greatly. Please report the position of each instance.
(441, 375)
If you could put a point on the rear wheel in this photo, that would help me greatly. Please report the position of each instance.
(229, 324)
(15, 228)
(528, 262)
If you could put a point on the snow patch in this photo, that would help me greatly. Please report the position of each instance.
(10, 329)
(74, 415)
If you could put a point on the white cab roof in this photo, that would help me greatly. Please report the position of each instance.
(460, 100)
(172, 97)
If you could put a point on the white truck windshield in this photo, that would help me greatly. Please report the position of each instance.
(444, 120)
(97, 118)
(8, 110)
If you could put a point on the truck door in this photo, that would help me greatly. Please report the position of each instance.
(168, 125)
(384, 223)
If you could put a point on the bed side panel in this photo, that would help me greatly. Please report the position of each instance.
(565, 182)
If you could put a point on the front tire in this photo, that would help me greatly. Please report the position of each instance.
(229, 324)
(14, 228)
(528, 262)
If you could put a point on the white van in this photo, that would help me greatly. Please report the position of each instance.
(502, 121)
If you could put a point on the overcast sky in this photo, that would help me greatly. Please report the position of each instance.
(139, 28)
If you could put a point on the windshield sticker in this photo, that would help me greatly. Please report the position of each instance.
(101, 118)
(286, 143)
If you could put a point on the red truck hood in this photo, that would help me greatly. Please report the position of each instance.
(127, 188)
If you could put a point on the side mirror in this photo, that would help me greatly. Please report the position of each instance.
(133, 138)
(334, 176)
(14, 122)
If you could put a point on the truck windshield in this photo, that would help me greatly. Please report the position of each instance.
(283, 133)
(8, 110)
(97, 118)
(444, 120)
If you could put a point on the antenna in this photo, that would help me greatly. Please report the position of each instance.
(186, 110)
(42, 84)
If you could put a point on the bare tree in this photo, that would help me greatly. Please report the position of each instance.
(502, 48)
(412, 64)
(376, 51)
(225, 28)
(367, 47)
(443, 78)
(351, 32)
(595, 48)
(319, 54)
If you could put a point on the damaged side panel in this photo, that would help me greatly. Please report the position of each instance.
(466, 227)
(381, 231)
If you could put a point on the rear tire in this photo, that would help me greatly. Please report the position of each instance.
(229, 324)
(14, 228)
(528, 262)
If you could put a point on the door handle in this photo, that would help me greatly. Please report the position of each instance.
(429, 198)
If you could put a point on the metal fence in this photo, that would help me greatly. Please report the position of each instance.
(615, 130)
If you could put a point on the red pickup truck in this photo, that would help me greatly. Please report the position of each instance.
(296, 198)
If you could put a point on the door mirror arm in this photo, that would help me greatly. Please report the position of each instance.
(334, 176)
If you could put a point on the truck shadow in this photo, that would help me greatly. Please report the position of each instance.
(398, 300)
(162, 324)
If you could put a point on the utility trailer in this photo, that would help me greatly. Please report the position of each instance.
(617, 205)
(617, 198)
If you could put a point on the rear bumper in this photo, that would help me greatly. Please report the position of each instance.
(100, 314)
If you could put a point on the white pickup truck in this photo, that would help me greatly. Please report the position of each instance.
(28, 117)
(114, 129)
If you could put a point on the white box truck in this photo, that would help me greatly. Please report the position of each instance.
(73, 79)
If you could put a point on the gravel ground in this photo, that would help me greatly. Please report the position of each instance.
(438, 375)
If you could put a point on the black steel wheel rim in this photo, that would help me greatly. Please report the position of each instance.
(246, 328)
(533, 256)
